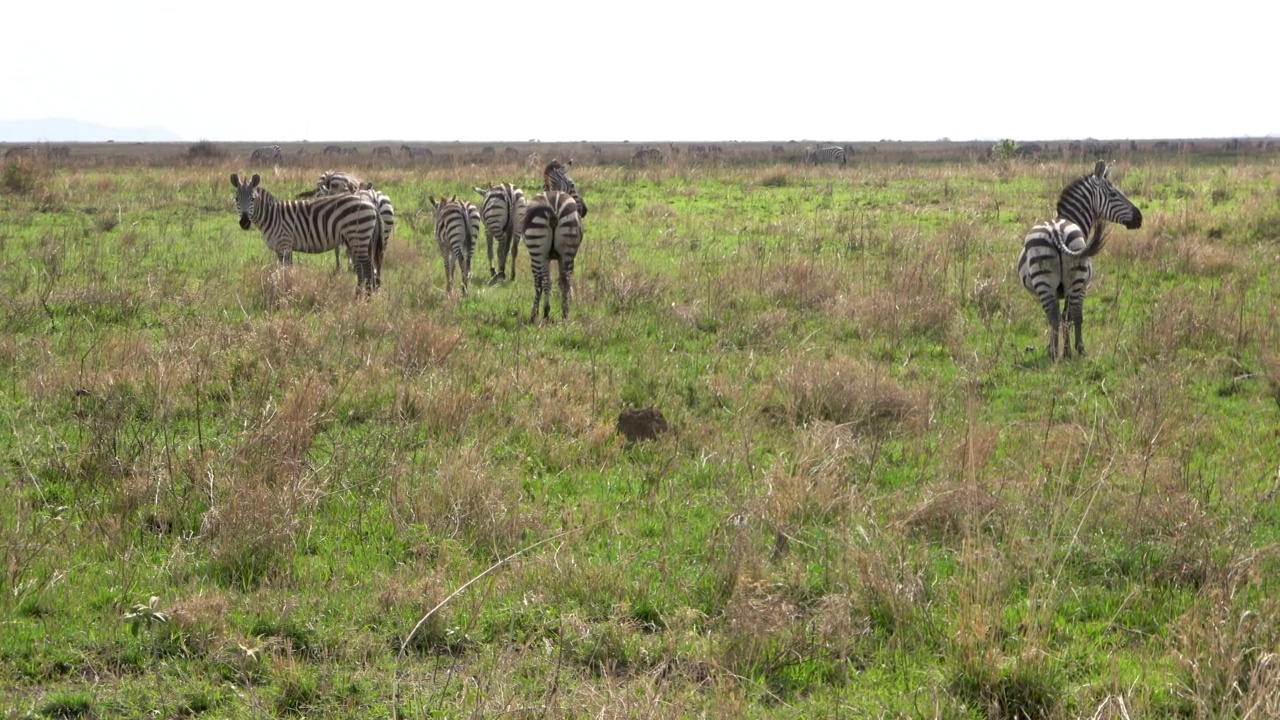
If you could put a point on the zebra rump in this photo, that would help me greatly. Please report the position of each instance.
(457, 225)
(552, 230)
(503, 207)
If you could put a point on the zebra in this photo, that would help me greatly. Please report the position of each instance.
(817, 155)
(1055, 260)
(457, 224)
(312, 226)
(270, 152)
(552, 230)
(415, 152)
(503, 210)
(382, 150)
(333, 182)
(555, 176)
(647, 156)
(332, 150)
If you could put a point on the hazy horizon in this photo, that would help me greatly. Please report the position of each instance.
(913, 71)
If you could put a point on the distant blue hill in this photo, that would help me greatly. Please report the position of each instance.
(67, 130)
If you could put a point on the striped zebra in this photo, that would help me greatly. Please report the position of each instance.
(503, 208)
(334, 182)
(817, 155)
(312, 226)
(555, 176)
(332, 150)
(457, 224)
(1055, 260)
(648, 156)
(270, 152)
(552, 230)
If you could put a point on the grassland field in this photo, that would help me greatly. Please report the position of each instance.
(232, 490)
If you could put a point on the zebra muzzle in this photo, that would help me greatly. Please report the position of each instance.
(244, 222)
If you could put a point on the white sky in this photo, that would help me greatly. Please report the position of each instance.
(660, 70)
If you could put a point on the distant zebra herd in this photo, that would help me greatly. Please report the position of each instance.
(345, 211)
(1055, 263)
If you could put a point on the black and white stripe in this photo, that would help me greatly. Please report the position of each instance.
(503, 208)
(555, 176)
(1055, 261)
(311, 226)
(552, 230)
(648, 156)
(269, 153)
(457, 224)
(334, 182)
(832, 153)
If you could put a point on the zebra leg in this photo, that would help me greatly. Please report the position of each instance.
(537, 294)
(504, 246)
(464, 269)
(364, 270)
(488, 246)
(448, 273)
(515, 248)
(1050, 304)
(337, 260)
(1075, 316)
(566, 290)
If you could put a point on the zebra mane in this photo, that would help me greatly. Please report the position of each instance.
(1069, 206)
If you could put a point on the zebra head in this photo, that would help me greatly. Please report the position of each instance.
(1116, 206)
(246, 196)
(338, 183)
(1093, 198)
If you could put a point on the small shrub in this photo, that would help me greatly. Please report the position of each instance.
(20, 177)
(206, 149)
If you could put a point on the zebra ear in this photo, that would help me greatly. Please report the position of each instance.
(1100, 170)
(235, 181)
(253, 181)
(433, 201)
(479, 191)
(1107, 172)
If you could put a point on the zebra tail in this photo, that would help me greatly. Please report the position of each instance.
(1097, 241)
(377, 249)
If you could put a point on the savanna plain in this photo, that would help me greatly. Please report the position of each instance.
(234, 490)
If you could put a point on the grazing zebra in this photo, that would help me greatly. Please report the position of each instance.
(647, 156)
(382, 150)
(415, 152)
(332, 150)
(333, 182)
(555, 176)
(270, 152)
(457, 227)
(552, 230)
(817, 155)
(1055, 261)
(312, 226)
(503, 209)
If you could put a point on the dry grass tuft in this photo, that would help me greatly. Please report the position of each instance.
(1226, 653)
(845, 392)
(812, 486)
(468, 500)
(423, 343)
(956, 510)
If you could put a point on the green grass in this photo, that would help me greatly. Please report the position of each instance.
(878, 499)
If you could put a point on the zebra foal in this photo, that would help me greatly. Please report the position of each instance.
(1056, 260)
(503, 207)
(312, 226)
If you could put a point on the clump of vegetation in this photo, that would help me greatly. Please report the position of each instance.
(206, 150)
(20, 177)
